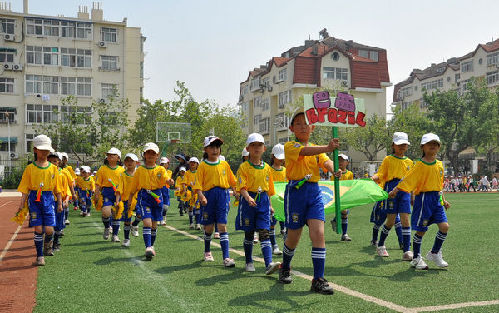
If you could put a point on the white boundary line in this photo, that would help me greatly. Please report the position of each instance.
(12, 239)
(455, 306)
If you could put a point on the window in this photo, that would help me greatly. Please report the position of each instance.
(457, 77)
(34, 26)
(467, 66)
(284, 98)
(42, 55)
(108, 90)
(4, 145)
(6, 55)
(84, 86)
(265, 82)
(68, 85)
(493, 59)
(109, 63)
(51, 28)
(492, 78)
(34, 55)
(255, 84)
(283, 140)
(283, 75)
(50, 55)
(68, 29)
(84, 30)
(7, 114)
(257, 102)
(281, 121)
(335, 56)
(108, 34)
(6, 85)
(439, 83)
(76, 57)
(264, 125)
(372, 55)
(7, 25)
(38, 113)
(364, 54)
(265, 104)
(76, 114)
(337, 73)
(28, 138)
(42, 84)
(256, 119)
(405, 92)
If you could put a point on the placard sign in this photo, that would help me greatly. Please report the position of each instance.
(341, 111)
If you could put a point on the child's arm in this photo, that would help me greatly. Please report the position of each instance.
(59, 202)
(201, 197)
(329, 165)
(247, 197)
(23, 200)
(314, 150)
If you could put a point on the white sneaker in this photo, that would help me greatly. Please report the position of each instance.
(208, 257)
(191, 226)
(274, 266)
(228, 262)
(437, 258)
(106, 234)
(198, 227)
(419, 263)
(276, 250)
(250, 267)
(163, 223)
(150, 253)
(135, 231)
(67, 222)
(407, 256)
(125, 243)
(382, 251)
(217, 235)
(115, 238)
(82, 213)
(88, 214)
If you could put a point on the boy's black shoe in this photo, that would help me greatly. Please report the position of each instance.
(285, 276)
(320, 285)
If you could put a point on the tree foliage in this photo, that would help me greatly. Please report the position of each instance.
(371, 139)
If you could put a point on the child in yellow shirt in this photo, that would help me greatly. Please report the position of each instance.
(345, 175)
(278, 175)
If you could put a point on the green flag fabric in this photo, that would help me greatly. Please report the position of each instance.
(352, 193)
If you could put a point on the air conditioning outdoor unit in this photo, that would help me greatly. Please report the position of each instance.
(17, 67)
(14, 155)
(102, 44)
(9, 37)
(7, 66)
(269, 88)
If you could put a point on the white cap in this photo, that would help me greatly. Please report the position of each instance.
(132, 156)
(245, 152)
(181, 169)
(114, 150)
(64, 155)
(278, 151)
(194, 159)
(56, 154)
(164, 160)
(221, 158)
(151, 146)
(77, 171)
(430, 137)
(42, 142)
(255, 137)
(343, 156)
(211, 139)
(400, 138)
(59, 155)
(87, 169)
(298, 110)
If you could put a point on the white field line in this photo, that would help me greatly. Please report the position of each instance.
(455, 306)
(343, 289)
(12, 239)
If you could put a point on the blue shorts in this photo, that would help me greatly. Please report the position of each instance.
(252, 218)
(166, 195)
(427, 210)
(273, 221)
(378, 215)
(59, 221)
(217, 207)
(108, 196)
(124, 216)
(41, 213)
(85, 199)
(302, 204)
(147, 207)
(402, 201)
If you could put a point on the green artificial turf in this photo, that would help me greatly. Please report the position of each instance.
(92, 275)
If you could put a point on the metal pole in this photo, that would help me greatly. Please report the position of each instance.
(336, 186)
(8, 139)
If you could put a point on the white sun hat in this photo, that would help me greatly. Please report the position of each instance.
(430, 137)
(255, 137)
(181, 169)
(151, 146)
(343, 156)
(132, 156)
(245, 153)
(43, 142)
(278, 151)
(164, 160)
(211, 139)
(114, 150)
(194, 159)
(400, 138)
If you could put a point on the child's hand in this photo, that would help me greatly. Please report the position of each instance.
(116, 204)
(272, 210)
(446, 205)
(59, 207)
(338, 173)
(251, 201)
(392, 194)
(333, 144)
(375, 178)
(203, 201)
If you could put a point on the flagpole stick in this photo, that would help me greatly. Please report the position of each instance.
(336, 185)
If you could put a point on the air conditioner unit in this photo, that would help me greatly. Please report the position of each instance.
(102, 100)
(14, 155)
(269, 88)
(102, 44)
(344, 83)
(17, 67)
(9, 37)
(7, 66)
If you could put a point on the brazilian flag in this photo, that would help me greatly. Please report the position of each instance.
(352, 193)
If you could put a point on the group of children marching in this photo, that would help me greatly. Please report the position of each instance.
(203, 191)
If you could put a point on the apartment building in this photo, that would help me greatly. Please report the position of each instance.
(483, 62)
(46, 58)
(267, 95)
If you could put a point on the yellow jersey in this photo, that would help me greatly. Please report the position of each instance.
(148, 178)
(190, 178)
(124, 188)
(69, 168)
(252, 177)
(78, 180)
(279, 175)
(87, 184)
(66, 181)
(394, 167)
(348, 175)
(178, 185)
(423, 177)
(298, 166)
(34, 175)
(105, 173)
(210, 175)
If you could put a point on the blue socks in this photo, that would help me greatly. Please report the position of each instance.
(384, 233)
(416, 245)
(439, 240)
(153, 236)
(146, 233)
(207, 242)
(375, 233)
(224, 242)
(266, 251)
(319, 260)
(106, 221)
(196, 216)
(116, 227)
(39, 244)
(287, 256)
(344, 225)
(248, 250)
(406, 238)
(126, 230)
(400, 232)
(191, 220)
(272, 236)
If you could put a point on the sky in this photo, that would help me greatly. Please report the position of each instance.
(211, 45)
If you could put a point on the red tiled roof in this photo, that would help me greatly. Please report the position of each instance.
(490, 46)
(280, 61)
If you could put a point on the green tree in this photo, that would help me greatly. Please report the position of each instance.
(371, 139)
